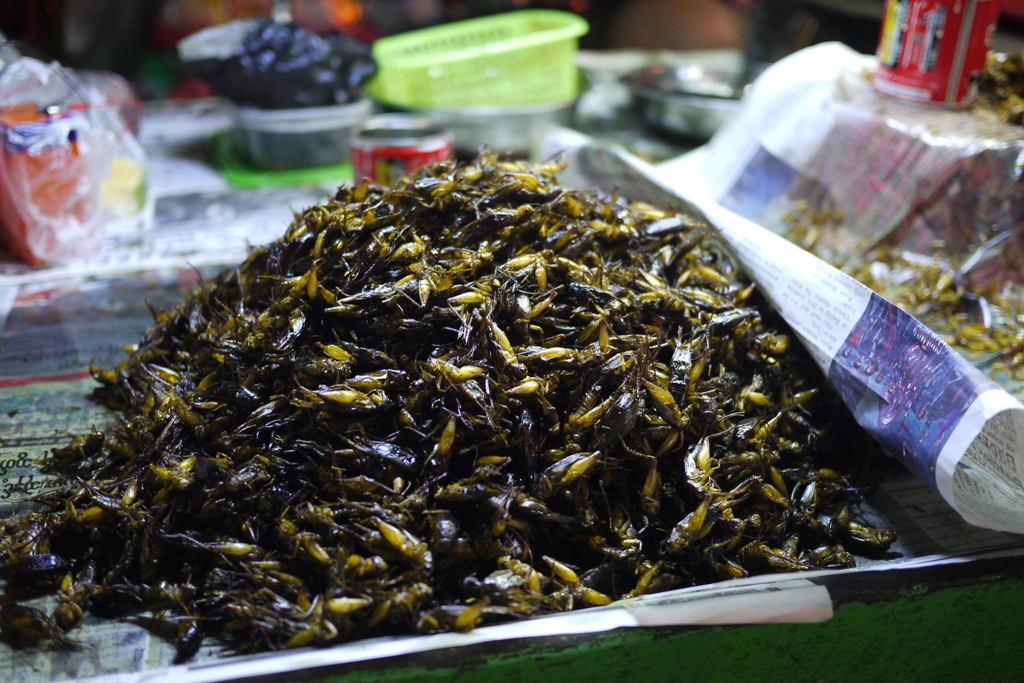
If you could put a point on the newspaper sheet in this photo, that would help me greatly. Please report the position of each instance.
(943, 418)
(55, 322)
(812, 130)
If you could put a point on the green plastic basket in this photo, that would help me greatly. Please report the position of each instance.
(523, 57)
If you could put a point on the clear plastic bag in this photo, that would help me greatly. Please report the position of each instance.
(55, 154)
(114, 107)
(812, 132)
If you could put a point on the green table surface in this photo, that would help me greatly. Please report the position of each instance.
(943, 623)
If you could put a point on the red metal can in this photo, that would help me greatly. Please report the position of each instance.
(929, 49)
(390, 146)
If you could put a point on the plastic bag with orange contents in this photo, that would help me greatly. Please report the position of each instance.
(54, 157)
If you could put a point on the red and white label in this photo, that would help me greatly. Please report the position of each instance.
(929, 49)
(387, 164)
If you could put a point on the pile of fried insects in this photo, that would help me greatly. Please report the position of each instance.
(984, 321)
(474, 398)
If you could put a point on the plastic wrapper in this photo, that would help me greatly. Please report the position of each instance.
(270, 65)
(813, 130)
(111, 90)
(52, 166)
(114, 108)
(60, 137)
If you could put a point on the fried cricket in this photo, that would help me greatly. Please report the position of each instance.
(476, 397)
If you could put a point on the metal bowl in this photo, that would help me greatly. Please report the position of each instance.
(683, 100)
(511, 130)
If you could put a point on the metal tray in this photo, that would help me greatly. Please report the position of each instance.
(684, 100)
